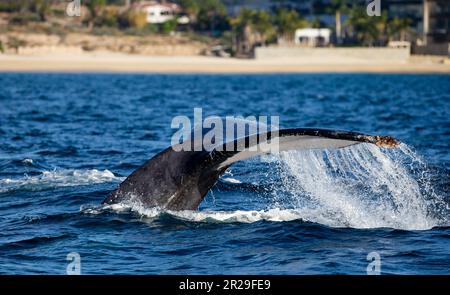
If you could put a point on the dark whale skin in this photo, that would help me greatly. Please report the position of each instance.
(179, 180)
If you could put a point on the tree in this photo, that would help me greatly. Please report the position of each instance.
(398, 26)
(169, 26)
(317, 23)
(211, 15)
(94, 7)
(41, 8)
(28, 10)
(262, 23)
(287, 21)
(192, 8)
(11, 5)
(251, 27)
(133, 19)
(368, 30)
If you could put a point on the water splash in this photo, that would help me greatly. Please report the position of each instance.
(362, 186)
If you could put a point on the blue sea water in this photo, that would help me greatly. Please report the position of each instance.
(67, 140)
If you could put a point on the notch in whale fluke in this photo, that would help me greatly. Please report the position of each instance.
(179, 180)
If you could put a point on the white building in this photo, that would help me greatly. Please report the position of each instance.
(312, 37)
(158, 13)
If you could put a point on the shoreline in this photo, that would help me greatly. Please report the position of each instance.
(126, 63)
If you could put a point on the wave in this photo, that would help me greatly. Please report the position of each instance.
(58, 178)
(237, 216)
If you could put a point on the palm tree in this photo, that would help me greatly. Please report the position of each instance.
(287, 21)
(368, 30)
(251, 27)
(209, 13)
(262, 22)
(398, 26)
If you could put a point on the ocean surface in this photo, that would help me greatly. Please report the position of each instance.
(67, 140)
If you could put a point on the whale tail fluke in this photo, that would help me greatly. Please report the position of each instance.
(179, 180)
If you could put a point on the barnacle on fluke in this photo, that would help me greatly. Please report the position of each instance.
(383, 141)
(386, 141)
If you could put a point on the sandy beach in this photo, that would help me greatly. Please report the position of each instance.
(118, 62)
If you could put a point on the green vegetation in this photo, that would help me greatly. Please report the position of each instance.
(398, 27)
(41, 8)
(96, 9)
(211, 16)
(249, 28)
(369, 31)
(27, 10)
(10, 6)
(15, 43)
(23, 18)
(209, 20)
(191, 8)
(287, 21)
(374, 31)
(169, 26)
(132, 19)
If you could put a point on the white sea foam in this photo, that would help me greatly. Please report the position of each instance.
(240, 216)
(28, 161)
(209, 216)
(58, 178)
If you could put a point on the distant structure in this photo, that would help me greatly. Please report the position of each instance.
(429, 18)
(429, 31)
(160, 12)
(430, 23)
(312, 37)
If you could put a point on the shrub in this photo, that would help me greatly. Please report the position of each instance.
(15, 43)
(24, 18)
(10, 6)
(108, 18)
(169, 26)
(133, 19)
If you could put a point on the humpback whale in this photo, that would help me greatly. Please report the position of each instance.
(179, 180)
